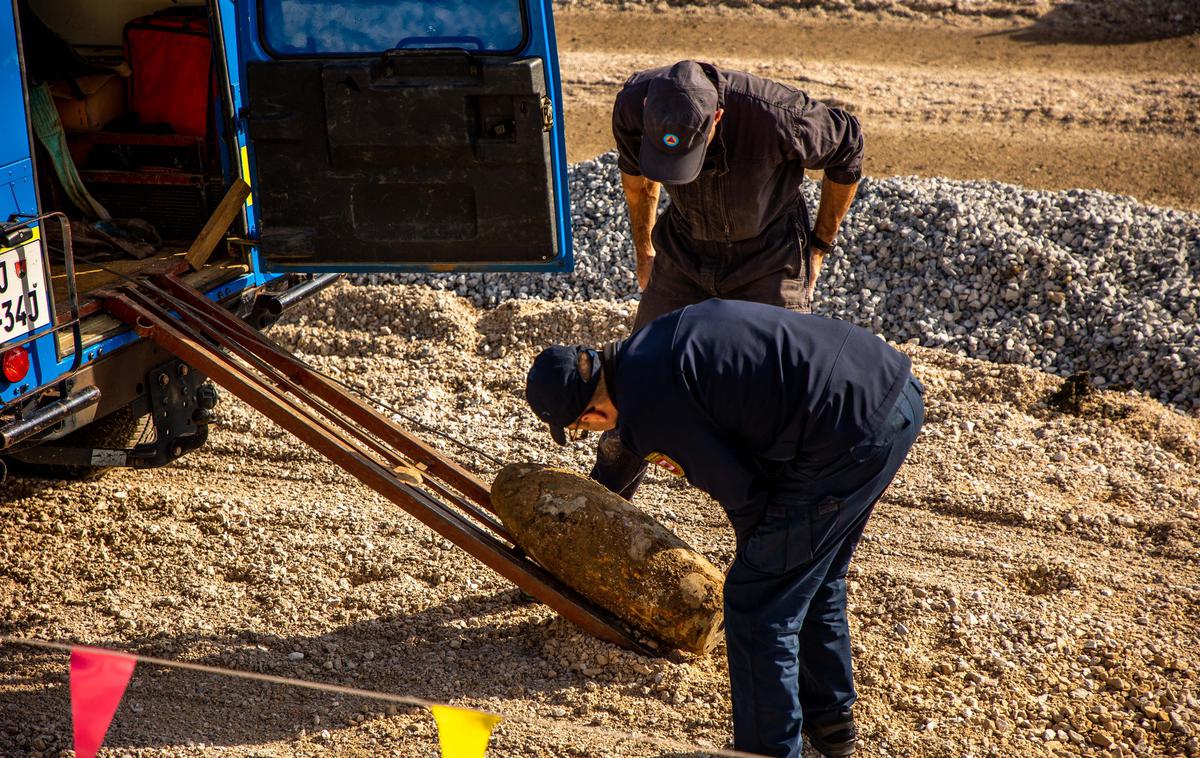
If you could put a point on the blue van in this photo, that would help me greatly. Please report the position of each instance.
(374, 136)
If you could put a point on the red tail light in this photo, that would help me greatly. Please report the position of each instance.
(16, 364)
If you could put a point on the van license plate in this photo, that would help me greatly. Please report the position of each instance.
(24, 291)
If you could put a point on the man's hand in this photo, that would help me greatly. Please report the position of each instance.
(815, 259)
(835, 201)
(642, 196)
(645, 264)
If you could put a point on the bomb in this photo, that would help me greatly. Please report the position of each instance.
(612, 553)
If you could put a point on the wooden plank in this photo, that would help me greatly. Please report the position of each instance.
(101, 325)
(92, 276)
(217, 224)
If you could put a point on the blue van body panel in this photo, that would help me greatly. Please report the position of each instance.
(19, 196)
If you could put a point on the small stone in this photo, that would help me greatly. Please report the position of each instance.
(1102, 739)
(295, 655)
(900, 629)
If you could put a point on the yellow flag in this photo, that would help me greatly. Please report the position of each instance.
(463, 733)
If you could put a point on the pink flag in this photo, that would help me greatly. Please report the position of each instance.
(98, 681)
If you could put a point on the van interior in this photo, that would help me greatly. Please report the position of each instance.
(130, 150)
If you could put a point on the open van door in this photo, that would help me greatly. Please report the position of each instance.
(403, 135)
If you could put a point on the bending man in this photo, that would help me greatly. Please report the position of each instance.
(795, 424)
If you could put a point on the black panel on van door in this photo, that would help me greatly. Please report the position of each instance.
(408, 158)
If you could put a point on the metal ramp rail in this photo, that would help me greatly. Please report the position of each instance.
(349, 432)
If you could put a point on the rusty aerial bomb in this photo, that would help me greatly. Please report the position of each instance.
(613, 553)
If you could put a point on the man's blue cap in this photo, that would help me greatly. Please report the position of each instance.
(555, 389)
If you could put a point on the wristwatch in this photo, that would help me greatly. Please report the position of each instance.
(820, 244)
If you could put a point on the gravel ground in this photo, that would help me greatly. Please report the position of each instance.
(1028, 586)
(1061, 281)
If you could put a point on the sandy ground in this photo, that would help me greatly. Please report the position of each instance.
(997, 100)
(1029, 585)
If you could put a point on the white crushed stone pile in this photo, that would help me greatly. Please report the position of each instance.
(1059, 281)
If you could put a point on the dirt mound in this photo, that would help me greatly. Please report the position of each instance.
(535, 324)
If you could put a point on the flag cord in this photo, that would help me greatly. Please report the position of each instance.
(374, 695)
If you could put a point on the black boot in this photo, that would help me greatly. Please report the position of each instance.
(834, 735)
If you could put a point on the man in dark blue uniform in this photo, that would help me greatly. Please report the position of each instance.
(795, 424)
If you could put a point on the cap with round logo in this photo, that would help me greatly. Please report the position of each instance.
(678, 115)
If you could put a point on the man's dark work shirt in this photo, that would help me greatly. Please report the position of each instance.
(734, 394)
(753, 169)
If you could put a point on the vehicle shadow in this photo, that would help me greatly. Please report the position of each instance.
(17, 485)
(427, 655)
(1102, 22)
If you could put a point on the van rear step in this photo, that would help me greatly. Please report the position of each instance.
(349, 432)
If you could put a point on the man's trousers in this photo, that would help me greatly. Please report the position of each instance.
(785, 594)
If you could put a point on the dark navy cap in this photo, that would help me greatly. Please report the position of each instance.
(677, 117)
(556, 390)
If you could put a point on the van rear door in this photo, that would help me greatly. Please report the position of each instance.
(404, 135)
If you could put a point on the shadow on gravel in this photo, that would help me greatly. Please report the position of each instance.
(167, 708)
(1111, 22)
(18, 486)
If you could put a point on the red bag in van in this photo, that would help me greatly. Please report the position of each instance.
(170, 54)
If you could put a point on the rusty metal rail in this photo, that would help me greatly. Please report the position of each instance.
(352, 434)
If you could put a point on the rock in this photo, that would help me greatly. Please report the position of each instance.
(295, 655)
(613, 553)
(1102, 739)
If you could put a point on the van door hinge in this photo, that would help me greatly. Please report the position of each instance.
(547, 114)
